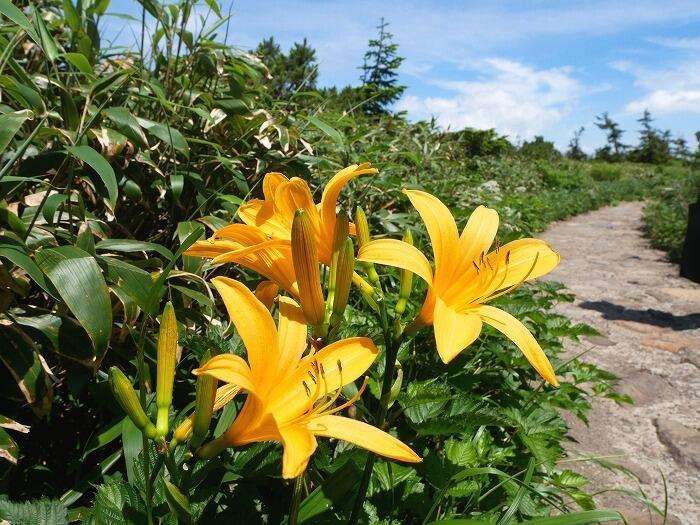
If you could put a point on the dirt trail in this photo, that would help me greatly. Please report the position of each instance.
(649, 320)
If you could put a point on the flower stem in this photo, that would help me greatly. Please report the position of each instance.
(296, 499)
(391, 344)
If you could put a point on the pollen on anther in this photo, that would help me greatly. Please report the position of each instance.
(340, 365)
(323, 372)
(476, 267)
(508, 257)
(313, 378)
(306, 387)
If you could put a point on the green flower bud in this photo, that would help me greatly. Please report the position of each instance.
(204, 408)
(362, 233)
(167, 349)
(126, 396)
(343, 281)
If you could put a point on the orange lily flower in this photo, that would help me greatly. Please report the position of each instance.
(291, 396)
(466, 277)
(262, 243)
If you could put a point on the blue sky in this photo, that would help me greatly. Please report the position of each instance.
(524, 68)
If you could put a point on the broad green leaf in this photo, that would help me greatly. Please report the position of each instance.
(333, 133)
(167, 134)
(71, 15)
(127, 124)
(79, 281)
(19, 355)
(17, 16)
(129, 245)
(9, 451)
(62, 333)
(103, 84)
(18, 257)
(79, 62)
(118, 503)
(23, 94)
(47, 41)
(331, 493)
(130, 279)
(101, 167)
(10, 124)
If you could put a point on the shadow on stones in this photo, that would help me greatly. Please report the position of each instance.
(649, 316)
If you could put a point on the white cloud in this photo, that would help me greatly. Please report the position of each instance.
(514, 98)
(674, 88)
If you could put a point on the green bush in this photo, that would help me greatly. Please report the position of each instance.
(603, 171)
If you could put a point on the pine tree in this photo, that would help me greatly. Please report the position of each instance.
(290, 73)
(654, 145)
(615, 149)
(680, 148)
(575, 152)
(380, 71)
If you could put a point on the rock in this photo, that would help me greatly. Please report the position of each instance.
(689, 355)
(683, 442)
(599, 340)
(644, 387)
(668, 340)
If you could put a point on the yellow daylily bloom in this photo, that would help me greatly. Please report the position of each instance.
(466, 277)
(262, 243)
(291, 395)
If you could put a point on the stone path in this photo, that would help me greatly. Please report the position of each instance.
(649, 320)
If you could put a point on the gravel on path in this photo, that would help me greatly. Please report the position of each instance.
(649, 320)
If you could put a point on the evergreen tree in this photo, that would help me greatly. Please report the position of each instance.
(290, 73)
(680, 148)
(575, 152)
(654, 145)
(615, 148)
(380, 71)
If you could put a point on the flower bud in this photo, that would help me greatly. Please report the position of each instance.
(178, 502)
(341, 232)
(204, 408)
(305, 261)
(362, 232)
(167, 348)
(406, 282)
(126, 396)
(224, 395)
(343, 281)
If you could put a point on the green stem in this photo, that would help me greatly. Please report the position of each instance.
(391, 345)
(146, 445)
(296, 499)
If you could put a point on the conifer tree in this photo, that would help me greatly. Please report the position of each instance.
(575, 152)
(290, 73)
(380, 71)
(615, 149)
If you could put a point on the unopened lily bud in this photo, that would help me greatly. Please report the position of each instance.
(305, 261)
(224, 395)
(362, 232)
(167, 349)
(406, 282)
(343, 281)
(126, 396)
(177, 502)
(204, 408)
(341, 231)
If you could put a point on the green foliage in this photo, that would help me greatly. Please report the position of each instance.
(39, 512)
(666, 216)
(114, 162)
(615, 149)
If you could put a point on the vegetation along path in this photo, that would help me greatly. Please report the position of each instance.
(649, 321)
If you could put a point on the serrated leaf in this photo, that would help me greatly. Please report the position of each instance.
(37, 512)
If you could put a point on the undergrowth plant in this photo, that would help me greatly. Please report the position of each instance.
(138, 387)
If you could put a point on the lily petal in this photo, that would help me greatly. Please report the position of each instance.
(523, 339)
(454, 331)
(230, 369)
(477, 236)
(331, 192)
(255, 327)
(261, 214)
(290, 397)
(399, 254)
(299, 444)
(293, 195)
(266, 292)
(293, 334)
(362, 435)
(522, 260)
(271, 182)
(440, 225)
